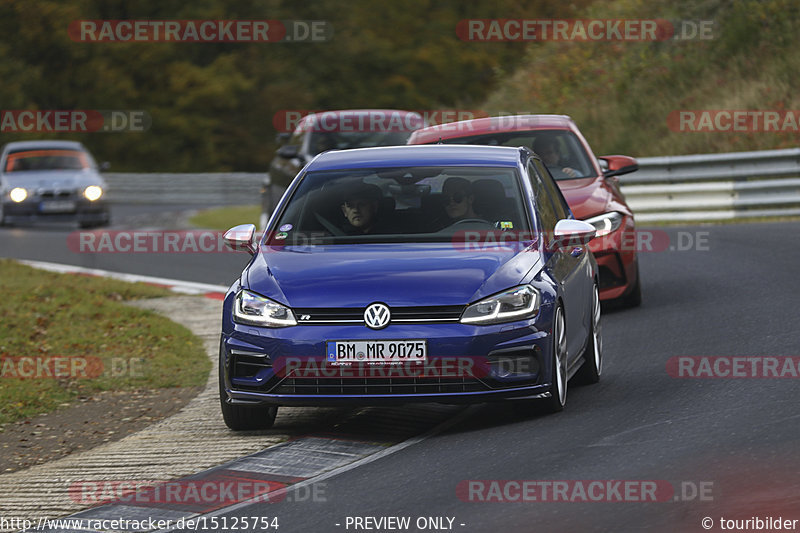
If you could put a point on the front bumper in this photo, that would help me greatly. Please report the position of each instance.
(466, 364)
(37, 209)
(616, 260)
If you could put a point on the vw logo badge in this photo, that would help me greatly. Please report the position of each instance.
(377, 316)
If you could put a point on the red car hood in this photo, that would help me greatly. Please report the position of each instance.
(586, 196)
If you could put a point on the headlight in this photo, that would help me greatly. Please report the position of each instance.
(18, 194)
(606, 223)
(513, 304)
(251, 308)
(92, 192)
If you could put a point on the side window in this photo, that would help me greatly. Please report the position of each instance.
(560, 205)
(547, 213)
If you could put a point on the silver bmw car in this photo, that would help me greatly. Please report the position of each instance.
(51, 180)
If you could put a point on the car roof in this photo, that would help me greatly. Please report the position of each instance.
(39, 145)
(486, 125)
(429, 155)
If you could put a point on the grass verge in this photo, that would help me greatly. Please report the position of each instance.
(64, 336)
(224, 218)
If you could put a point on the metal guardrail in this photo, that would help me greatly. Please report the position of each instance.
(233, 188)
(709, 187)
(703, 187)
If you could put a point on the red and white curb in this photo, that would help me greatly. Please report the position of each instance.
(216, 292)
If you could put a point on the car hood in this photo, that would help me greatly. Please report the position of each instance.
(586, 196)
(396, 274)
(48, 179)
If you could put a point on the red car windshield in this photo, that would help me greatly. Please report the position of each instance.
(561, 151)
(46, 160)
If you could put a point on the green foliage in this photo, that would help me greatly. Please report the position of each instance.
(212, 104)
(621, 93)
(224, 218)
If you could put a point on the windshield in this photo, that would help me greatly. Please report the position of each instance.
(322, 141)
(46, 160)
(409, 204)
(560, 150)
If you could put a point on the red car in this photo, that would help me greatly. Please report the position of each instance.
(589, 184)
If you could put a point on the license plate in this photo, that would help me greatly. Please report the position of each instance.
(377, 351)
(57, 206)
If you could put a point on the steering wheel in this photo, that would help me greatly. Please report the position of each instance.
(328, 226)
(471, 221)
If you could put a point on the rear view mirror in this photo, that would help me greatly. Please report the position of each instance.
(569, 233)
(617, 165)
(240, 238)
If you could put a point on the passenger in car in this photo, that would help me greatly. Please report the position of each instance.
(458, 199)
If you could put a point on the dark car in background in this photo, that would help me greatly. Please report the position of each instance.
(51, 181)
(590, 185)
(333, 130)
(464, 279)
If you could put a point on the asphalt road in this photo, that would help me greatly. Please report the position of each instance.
(726, 448)
(60, 243)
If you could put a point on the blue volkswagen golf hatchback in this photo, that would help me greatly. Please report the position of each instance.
(437, 273)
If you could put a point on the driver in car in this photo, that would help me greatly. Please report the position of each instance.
(360, 209)
(547, 148)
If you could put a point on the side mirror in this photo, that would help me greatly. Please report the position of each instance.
(569, 233)
(288, 151)
(241, 238)
(105, 165)
(282, 137)
(617, 165)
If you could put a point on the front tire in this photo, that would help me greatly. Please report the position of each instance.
(593, 365)
(558, 373)
(242, 417)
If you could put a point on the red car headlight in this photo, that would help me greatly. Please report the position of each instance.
(606, 223)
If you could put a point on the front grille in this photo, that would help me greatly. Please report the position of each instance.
(377, 386)
(61, 195)
(349, 315)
